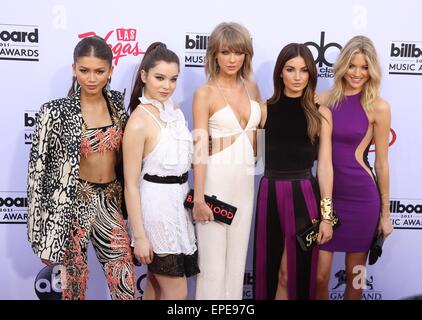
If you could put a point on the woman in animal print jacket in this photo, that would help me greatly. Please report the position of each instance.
(74, 192)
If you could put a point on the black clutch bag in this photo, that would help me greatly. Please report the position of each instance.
(376, 249)
(307, 237)
(222, 211)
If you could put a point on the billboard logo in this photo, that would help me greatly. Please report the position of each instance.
(198, 42)
(405, 58)
(248, 285)
(19, 42)
(29, 118)
(195, 49)
(13, 207)
(406, 213)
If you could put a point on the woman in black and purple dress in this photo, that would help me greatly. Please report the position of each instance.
(361, 200)
(289, 195)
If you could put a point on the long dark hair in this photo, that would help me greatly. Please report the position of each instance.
(291, 51)
(91, 46)
(155, 53)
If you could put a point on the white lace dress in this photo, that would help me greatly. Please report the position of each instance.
(167, 223)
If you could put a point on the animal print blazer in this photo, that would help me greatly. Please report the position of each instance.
(53, 172)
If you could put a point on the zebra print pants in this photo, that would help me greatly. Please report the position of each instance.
(98, 217)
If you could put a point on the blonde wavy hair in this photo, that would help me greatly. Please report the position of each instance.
(231, 36)
(370, 90)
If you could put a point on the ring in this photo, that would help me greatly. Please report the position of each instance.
(206, 221)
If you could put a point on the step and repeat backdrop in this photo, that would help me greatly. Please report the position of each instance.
(36, 48)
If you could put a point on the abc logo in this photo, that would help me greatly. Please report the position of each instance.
(322, 49)
(140, 284)
(48, 283)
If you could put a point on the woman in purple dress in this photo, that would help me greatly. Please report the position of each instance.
(360, 198)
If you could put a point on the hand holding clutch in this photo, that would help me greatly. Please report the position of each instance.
(376, 249)
(222, 211)
(307, 237)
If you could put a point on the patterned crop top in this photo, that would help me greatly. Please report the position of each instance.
(101, 139)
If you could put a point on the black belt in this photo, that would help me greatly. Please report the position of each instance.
(167, 179)
(288, 175)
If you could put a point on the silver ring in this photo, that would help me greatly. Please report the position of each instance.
(206, 221)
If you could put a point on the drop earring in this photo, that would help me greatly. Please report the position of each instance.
(108, 87)
(76, 85)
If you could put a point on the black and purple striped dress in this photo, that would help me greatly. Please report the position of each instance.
(287, 202)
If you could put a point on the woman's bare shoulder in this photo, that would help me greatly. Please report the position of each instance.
(205, 96)
(381, 105)
(139, 120)
(253, 89)
(325, 111)
(323, 97)
(205, 91)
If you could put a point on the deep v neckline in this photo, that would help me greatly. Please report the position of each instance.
(238, 120)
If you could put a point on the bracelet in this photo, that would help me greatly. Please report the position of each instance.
(326, 209)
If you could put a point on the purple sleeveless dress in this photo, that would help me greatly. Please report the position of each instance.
(356, 199)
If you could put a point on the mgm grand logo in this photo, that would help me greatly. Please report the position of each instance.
(361, 281)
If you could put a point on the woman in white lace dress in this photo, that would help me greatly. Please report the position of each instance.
(157, 154)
